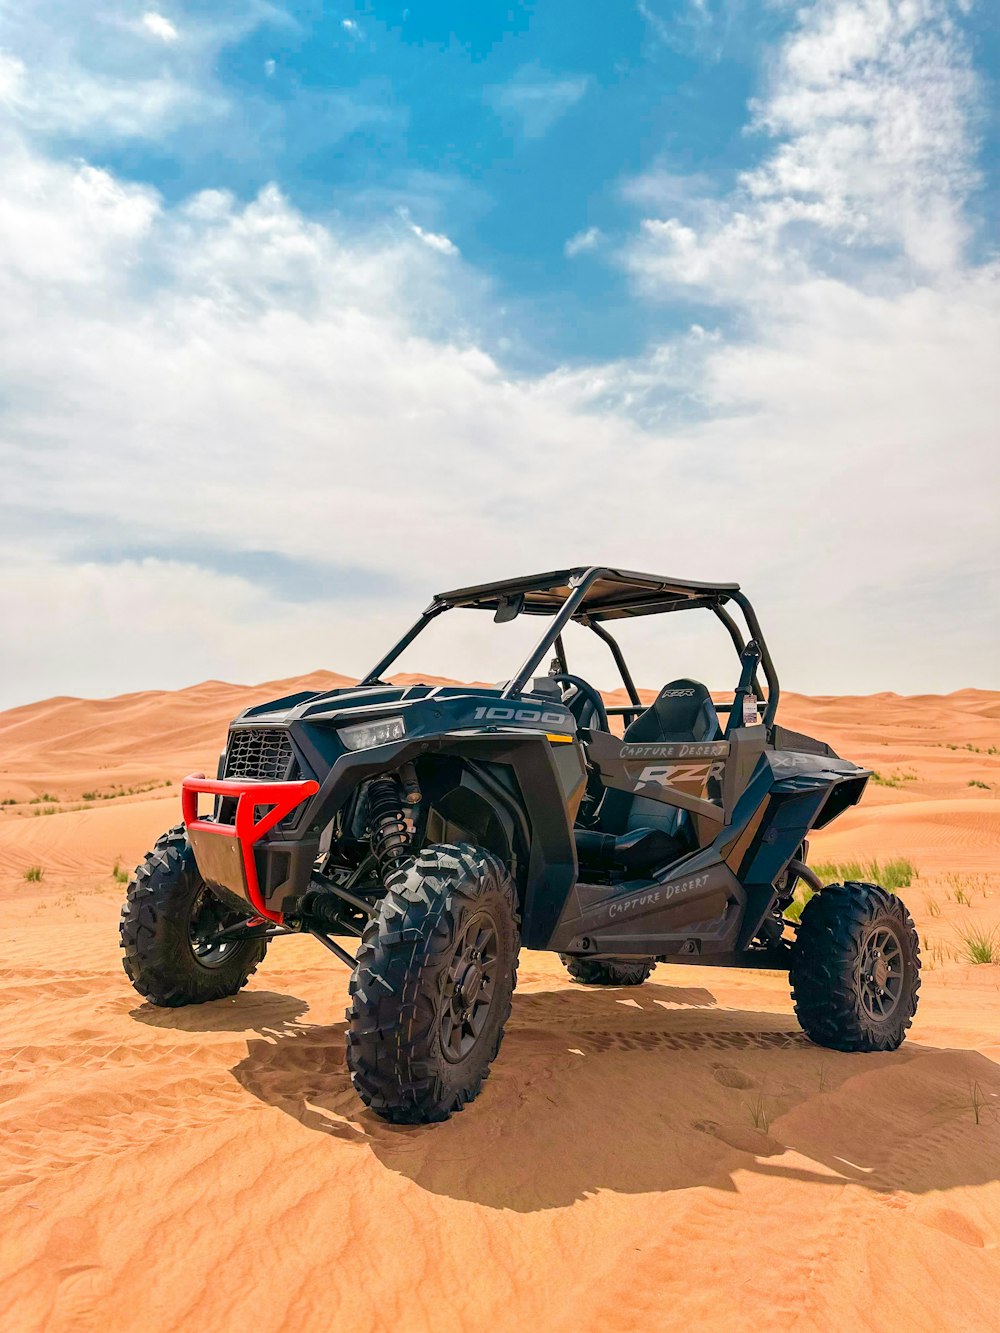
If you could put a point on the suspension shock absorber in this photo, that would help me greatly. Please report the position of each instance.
(390, 836)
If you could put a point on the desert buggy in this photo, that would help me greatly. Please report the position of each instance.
(445, 826)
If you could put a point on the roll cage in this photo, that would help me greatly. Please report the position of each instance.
(592, 595)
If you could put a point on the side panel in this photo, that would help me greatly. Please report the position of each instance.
(714, 900)
(696, 909)
(680, 774)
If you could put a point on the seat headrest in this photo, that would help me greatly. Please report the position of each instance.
(682, 711)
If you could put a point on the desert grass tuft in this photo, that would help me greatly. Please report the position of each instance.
(898, 873)
(980, 945)
(33, 874)
(120, 874)
(892, 875)
(980, 1105)
(965, 885)
(117, 791)
(933, 953)
(758, 1113)
(893, 779)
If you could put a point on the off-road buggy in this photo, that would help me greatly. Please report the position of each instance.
(445, 826)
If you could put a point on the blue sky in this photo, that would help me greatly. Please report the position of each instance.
(305, 303)
(521, 132)
(510, 129)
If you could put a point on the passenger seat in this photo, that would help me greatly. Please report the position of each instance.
(636, 834)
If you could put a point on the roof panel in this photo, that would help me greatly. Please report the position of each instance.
(613, 593)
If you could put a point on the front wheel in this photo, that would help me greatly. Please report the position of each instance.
(168, 920)
(855, 969)
(432, 988)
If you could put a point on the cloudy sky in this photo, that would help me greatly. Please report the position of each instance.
(310, 310)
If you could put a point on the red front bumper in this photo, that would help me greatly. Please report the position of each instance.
(282, 797)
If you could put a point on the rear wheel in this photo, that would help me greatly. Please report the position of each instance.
(168, 920)
(432, 989)
(608, 971)
(855, 969)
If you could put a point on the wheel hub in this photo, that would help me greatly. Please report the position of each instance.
(880, 973)
(209, 915)
(469, 988)
(470, 985)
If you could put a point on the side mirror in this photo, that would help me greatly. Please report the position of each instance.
(509, 609)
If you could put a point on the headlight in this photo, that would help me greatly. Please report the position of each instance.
(367, 734)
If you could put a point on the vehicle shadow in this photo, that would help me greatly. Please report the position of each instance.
(250, 1011)
(654, 1090)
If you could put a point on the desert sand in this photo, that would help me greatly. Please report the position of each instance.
(672, 1157)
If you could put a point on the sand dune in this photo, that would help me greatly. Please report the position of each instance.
(668, 1158)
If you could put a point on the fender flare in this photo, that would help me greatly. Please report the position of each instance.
(551, 864)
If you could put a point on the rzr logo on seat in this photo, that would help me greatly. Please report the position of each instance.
(677, 694)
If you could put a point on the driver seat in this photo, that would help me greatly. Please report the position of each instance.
(636, 834)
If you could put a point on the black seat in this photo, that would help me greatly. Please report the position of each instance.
(682, 711)
(635, 833)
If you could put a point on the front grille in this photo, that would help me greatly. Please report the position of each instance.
(256, 752)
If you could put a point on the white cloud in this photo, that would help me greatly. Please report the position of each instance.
(534, 100)
(91, 75)
(869, 106)
(444, 245)
(436, 241)
(160, 27)
(664, 190)
(80, 104)
(582, 242)
(11, 79)
(140, 602)
(873, 99)
(64, 97)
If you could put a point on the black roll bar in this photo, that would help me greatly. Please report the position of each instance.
(616, 652)
(770, 675)
(559, 622)
(402, 644)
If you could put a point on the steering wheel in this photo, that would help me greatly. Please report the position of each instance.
(582, 700)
